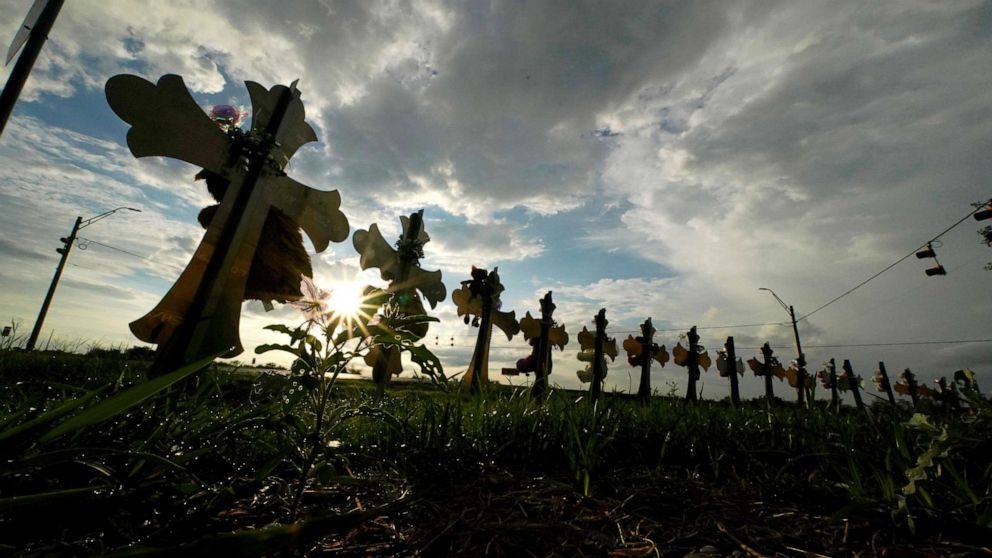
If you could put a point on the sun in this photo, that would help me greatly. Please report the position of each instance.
(346, 299)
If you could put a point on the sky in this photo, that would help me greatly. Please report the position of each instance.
(657, 159)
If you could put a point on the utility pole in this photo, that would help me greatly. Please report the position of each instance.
(67, 246)
(801, 358)
(64, 250)
(32, 35)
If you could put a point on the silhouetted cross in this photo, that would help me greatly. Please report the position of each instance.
(199, 315)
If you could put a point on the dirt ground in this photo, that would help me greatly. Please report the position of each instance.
(501, 514)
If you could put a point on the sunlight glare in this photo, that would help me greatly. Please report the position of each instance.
(346, 299)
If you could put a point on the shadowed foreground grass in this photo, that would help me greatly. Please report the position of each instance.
(208, 464)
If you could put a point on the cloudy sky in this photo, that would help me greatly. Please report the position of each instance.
(661, 159)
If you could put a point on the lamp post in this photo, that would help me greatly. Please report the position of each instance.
(801, 360)
(67, 242)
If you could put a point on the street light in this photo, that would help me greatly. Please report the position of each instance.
(64, 251)
(801, 361)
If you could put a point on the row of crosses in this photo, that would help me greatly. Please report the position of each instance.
(252, 250)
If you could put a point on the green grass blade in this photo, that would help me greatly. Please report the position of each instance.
(126, 399)
(59, 497)
(48, 416)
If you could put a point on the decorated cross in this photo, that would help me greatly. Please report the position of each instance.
(770, 368)
(852, 382)
(906, 385)
(641, 350)
(882, 383)
(479, 297)
(405, 309)
(199, 316)
(594, 347)
(729, 365)
(828, 377)
(691, 358)
(542, 335)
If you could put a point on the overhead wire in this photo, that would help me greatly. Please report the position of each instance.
(83, 241)
(893, 264)
(900, 344)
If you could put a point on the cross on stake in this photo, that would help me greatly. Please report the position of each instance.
(854, 384)
(692, 359)
(883, 384)
(730, 365)
(542, 335)
(479, 296)
(200, 314)
(641, 351)
(401, 267)
(769, 368)
(600, 346)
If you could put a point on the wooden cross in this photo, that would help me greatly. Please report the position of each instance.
(641, 351)
(769, 368)
(479, 296)
(853, 384)
(200, 314)
(594, 349)
(831, 378)
(542, 335)
(401, 268)
(692, 358)
(907, 386)
(729, 365)
(883, 384)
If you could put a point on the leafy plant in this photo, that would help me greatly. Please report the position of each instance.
(324, 346)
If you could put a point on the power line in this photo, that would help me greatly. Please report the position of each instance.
(890, 266)
(901, 344)
(686, 328)
(84, 241)
(683, 328)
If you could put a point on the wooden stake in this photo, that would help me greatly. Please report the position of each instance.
(598, 374)
(914, 394)
(735, 392)
(540, 388)
(766, 353)
(852, 384)
(692, 363)
(647, 348)
(834, 396)
(886, 384)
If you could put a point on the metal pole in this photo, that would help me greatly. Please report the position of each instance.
(22, 68)
(51, 289)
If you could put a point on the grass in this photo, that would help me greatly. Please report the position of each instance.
(99, 460)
